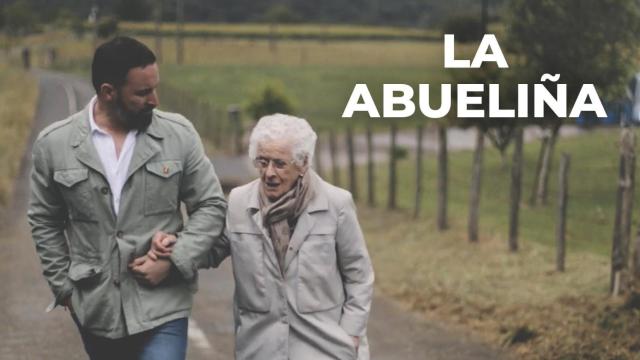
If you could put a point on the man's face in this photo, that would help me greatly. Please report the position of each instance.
(278, 173)
(135, 100)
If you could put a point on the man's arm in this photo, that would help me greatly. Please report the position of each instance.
(202, 194)
(47, 216)
(356, 270)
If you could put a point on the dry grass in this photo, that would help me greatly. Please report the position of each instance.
(18, 96)
(484, 288)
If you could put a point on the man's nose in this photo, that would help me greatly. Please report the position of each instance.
(153, 99)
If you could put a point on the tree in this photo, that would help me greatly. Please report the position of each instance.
(133, 10)
(268, 100)
(585, 41)
(19, 18)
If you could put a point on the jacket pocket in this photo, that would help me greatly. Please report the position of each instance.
(319, 281)
(162, 184)
(76, 190)
(247, 252)
(90, 297)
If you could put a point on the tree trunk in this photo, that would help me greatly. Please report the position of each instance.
(516, 190)
(624, 206)
(442, 178)
(476, 182)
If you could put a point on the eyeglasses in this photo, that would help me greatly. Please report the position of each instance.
(262, 163)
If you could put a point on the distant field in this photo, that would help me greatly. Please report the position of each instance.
(317, 76)
(295, 31)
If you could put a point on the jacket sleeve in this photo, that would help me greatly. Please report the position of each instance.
(202, 195)
(47, 216)
(356, 270)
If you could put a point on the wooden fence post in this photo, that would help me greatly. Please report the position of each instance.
(516, 190)
(371, 199)
(352, 164)
(334, 159)
(391, 203)
(563, 199)
(236, 126)
(443, 174)
(318, 157)
(419, 152)
(476, 183)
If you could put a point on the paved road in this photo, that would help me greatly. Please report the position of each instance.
(29, 333)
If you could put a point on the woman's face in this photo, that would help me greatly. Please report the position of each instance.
(278, 173)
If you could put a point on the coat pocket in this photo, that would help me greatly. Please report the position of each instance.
(247, 254)
(162, 185)
(319, 281)
(76, 191)
(90, 298)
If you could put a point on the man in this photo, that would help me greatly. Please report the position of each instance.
(104, 182)
(304, 280)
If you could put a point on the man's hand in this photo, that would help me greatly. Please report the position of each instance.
(148, 271)
(161, 245)
(356, 341)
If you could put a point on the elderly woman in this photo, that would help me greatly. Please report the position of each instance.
(304, 280)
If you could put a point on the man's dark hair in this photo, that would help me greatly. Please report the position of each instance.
(113, 60)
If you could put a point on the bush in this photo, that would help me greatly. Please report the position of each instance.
(269, 100)
(107, 27)
(466, 28)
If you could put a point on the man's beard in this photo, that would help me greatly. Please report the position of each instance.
(132, 120)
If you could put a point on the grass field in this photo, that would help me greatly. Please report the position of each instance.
(18, 95)
(484, 287)
(319, 31)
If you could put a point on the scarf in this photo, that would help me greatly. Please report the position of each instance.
(280, 216)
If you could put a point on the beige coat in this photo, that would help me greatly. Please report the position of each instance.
(325, 294)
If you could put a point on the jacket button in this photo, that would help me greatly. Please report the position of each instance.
(119, 234)
(104, 190)
(116, 282)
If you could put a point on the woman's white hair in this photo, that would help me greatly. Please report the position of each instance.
(285, 127)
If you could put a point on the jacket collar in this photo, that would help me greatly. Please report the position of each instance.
(147, 142)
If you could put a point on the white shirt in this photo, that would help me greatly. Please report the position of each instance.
(115, 167)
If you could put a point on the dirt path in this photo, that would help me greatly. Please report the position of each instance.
(30, 333)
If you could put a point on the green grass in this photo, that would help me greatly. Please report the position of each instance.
(18, 95)
(592, 189)
(306, 31)
(483, 286)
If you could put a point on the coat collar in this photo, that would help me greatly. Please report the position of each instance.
(318, 204)
(147, 142)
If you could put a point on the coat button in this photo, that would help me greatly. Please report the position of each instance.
(104, 190)
(116, 282)
(119, 234)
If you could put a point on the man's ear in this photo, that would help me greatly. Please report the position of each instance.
(107, 92)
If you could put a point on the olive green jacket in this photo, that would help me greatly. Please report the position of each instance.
(85, 249)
